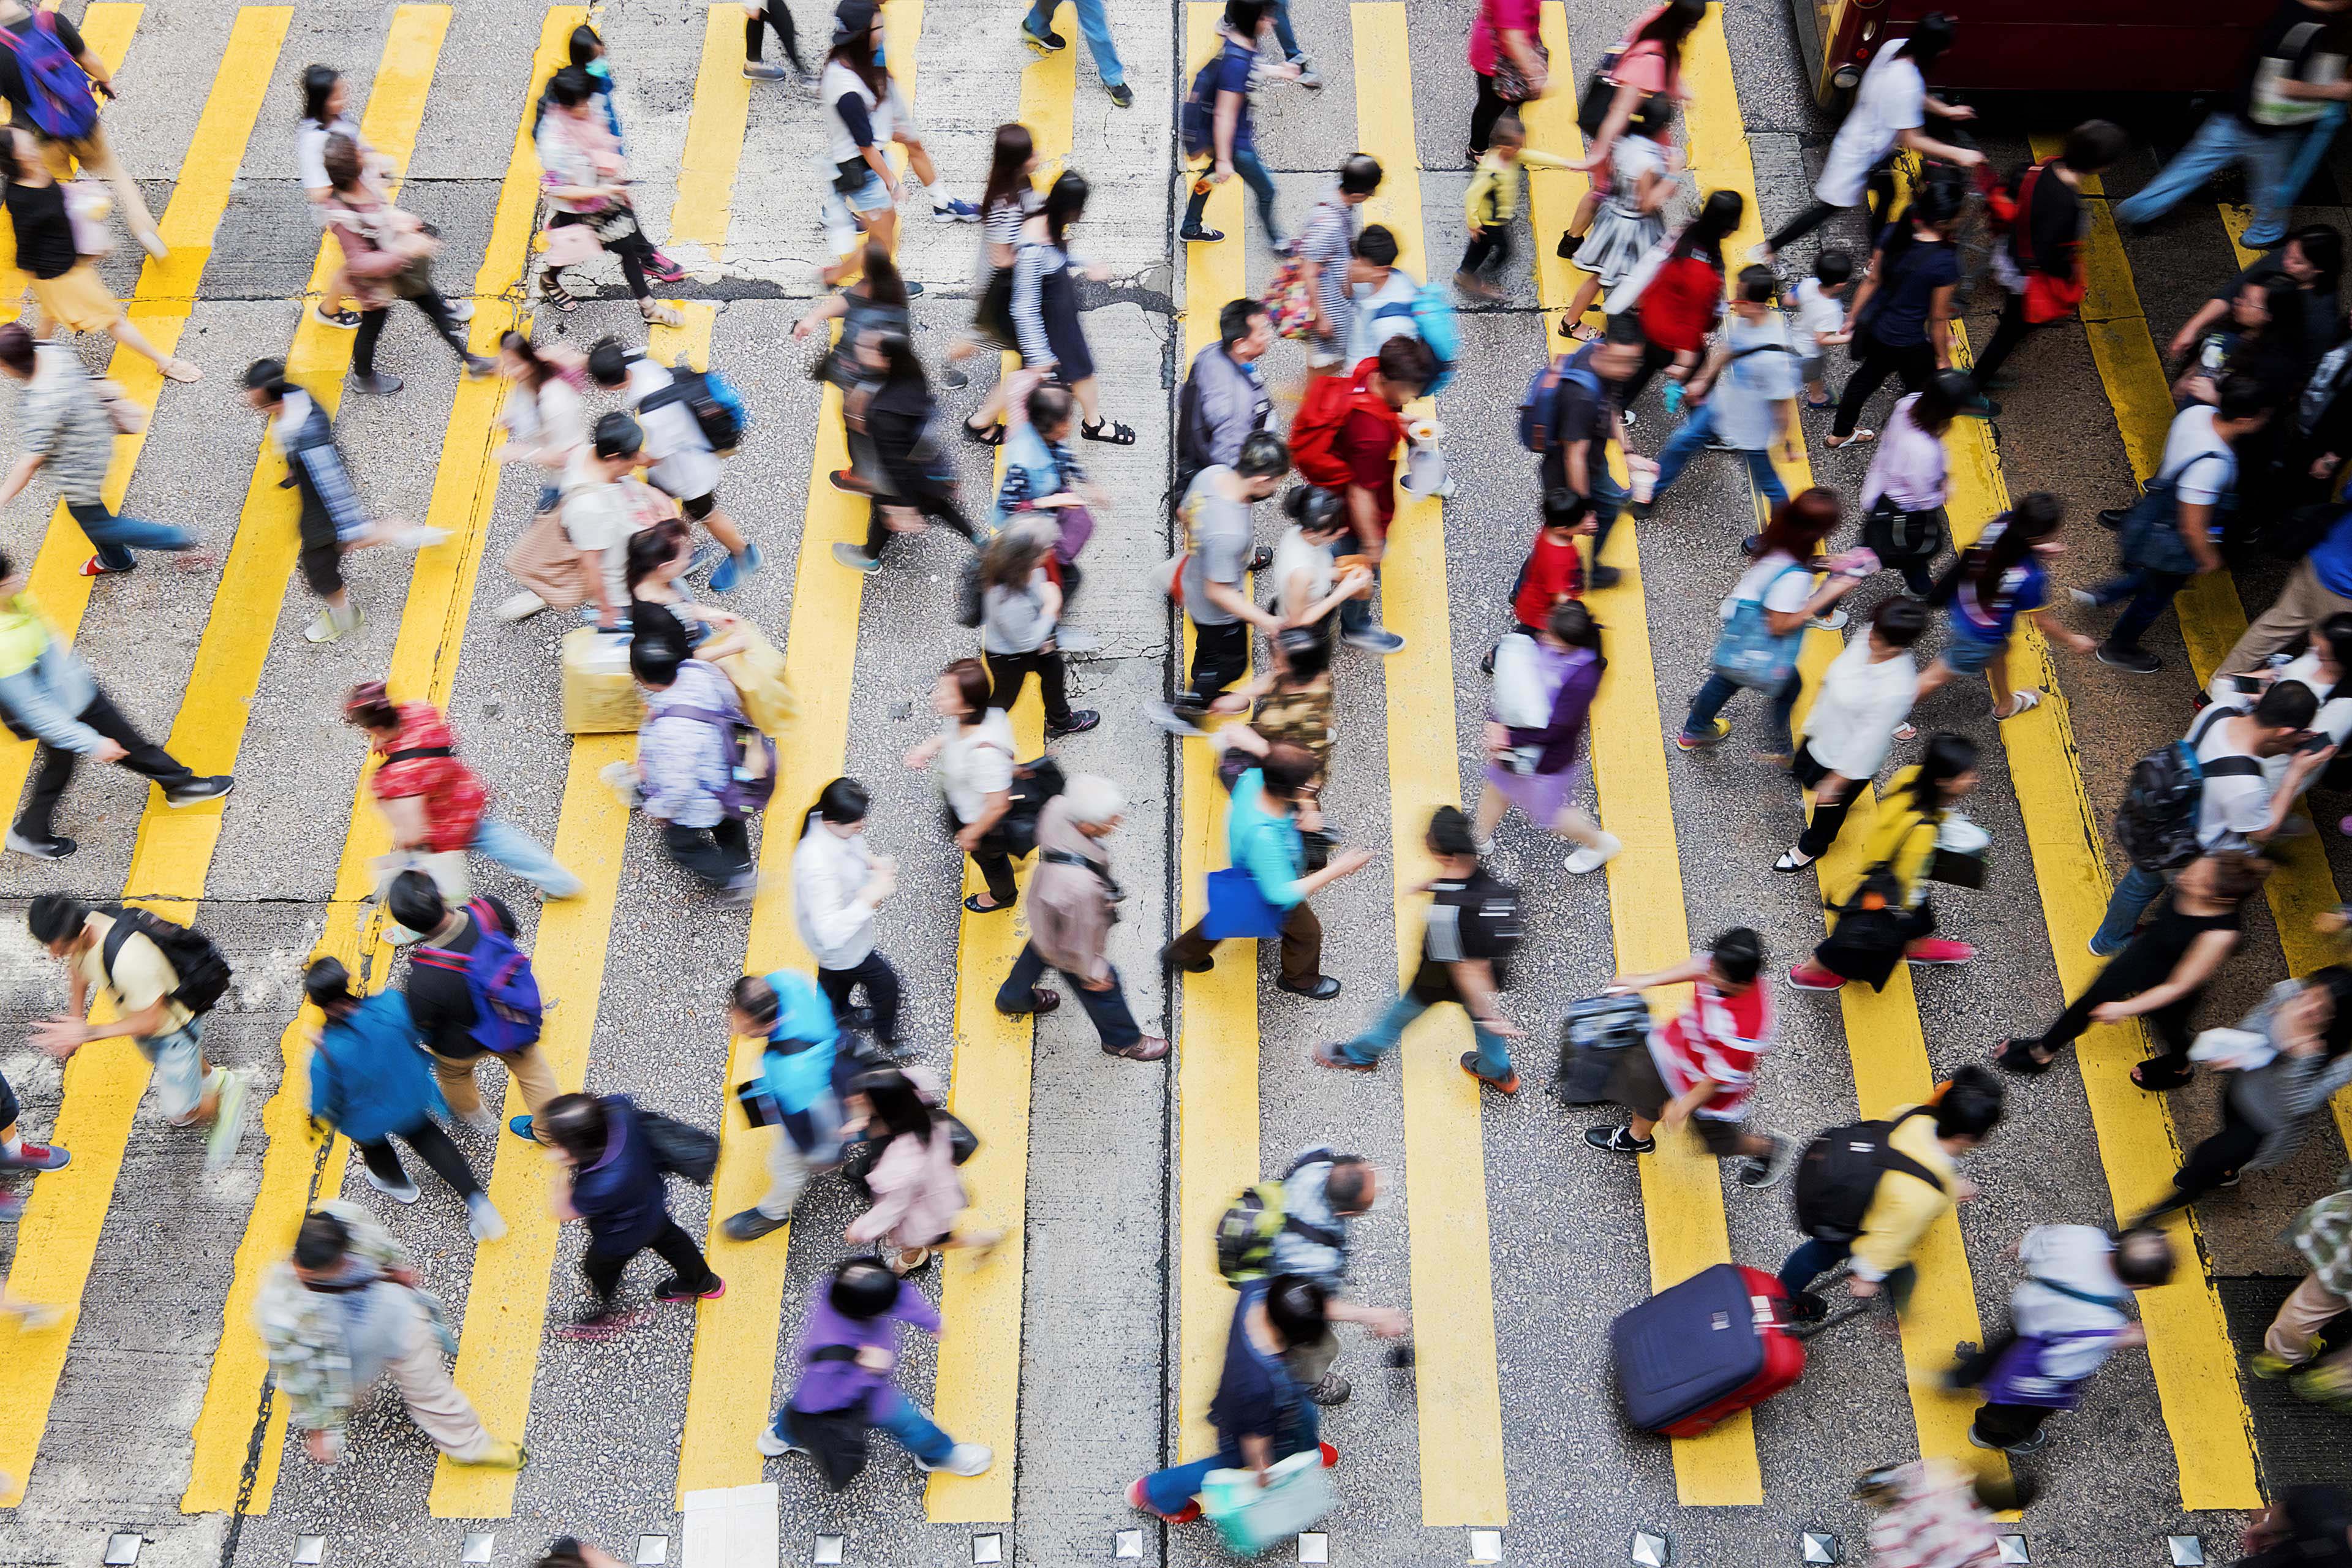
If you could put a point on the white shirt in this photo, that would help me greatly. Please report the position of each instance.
(975, 762)
(683, 466)
(1293, 555)
(552, 418)
(2082, 1259)
(1892, 99)
(311, 149)
(1365, 335)
(1851, 726)
(828, 871)
(838, 79)
(2227, 808)
(1818, 315)
(597, 516)
(2334, 719)
(2190, 447)
(1768, 581)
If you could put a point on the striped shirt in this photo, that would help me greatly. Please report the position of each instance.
(63, 422)
(1036, 263)
(1327, 241)
(1718, 1038)
(1001, 224)
(307, 438)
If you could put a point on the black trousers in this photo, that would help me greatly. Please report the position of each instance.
(2005, 1425)
(436, 311)
(778, 14)
(1113, 1019)
(937, 505)
(9, 1109)
(1914, 363)
(1878, 200)
(633, 253)
(433, 1146)
(1653, 359)
(1829, 815)
(1220, 658)
(676, 1249)
(1489, 245)
(2010, 332)
(881, 983)
(1009, 672)
(719, 856)
(1489, 109)
(2220, 1156)
(2137, 968)
(56, 769)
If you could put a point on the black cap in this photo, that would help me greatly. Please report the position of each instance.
(617, 436)
(853, 18)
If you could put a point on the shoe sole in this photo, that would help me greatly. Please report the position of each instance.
(1341, 1064)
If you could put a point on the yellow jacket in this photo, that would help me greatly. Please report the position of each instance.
(1904, 1207)
(1901, 835)
(1493, 197)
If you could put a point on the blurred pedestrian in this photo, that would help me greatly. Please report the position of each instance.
(1220, 551)
(690, 761)
(1261, 1414)
(442, 939)
(1508, 57)
(614, 1185)
(1345, 440)
(2291, 1345)
(586, 183)
(2072, 1311)
(387, 256)
(1214, 123)
(1918, 805)
(1646, 64)
(974, 753)
(1021, 609)
(72, 120)
(1073, 902)
(838, 884)
(67, 421)
(1006, 202)
(683, 466)
(917, 1196)
(1852, 724)
(1764, 623)
(1045, 305)
(2004, 574)
(1632, 221)
(890, 414)
(19, 1152)
(865, 113)
(803, 1072)
(1324, 247)
(1902, 314)
(2041, 262)
(1744, 398)
(1534, 734)
(1037, 32)
(1323, 1193)
(546, 425)
(1490, 206)
(66, 285)
(758, 17)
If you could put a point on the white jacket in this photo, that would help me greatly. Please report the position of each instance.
(827, 872)
(1851, 726)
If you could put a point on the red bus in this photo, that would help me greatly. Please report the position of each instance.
(2042, 45)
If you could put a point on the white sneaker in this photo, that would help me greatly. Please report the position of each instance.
(326, 627)
(520, 607)
(461, 309)
(1586, 860)
(1835, 621)
(403, 1193)
(776, 1447)
(228, 1120)
(481, 1119)
(2089, 600)
(482, 1218)
(963, 1460)
(419, 538)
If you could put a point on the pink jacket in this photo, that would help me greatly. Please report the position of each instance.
(917, 1193)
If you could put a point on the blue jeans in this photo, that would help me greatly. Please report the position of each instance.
(1608, 499)
(1813, 1258)
(1261, 184)
(1691, 439)
(2221, 141)
(1113, 1019)
(520, 853)
(1355, 615)
(1093, 23)
(116, 537)
(2132, 895)
(1718, 692)
(1279, 14)
(2149, 591)
(1493, 1055)
(893, 1412)
(1170, 1489)
(2315, 141)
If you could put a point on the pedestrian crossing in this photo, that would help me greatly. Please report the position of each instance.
(1462, 1474)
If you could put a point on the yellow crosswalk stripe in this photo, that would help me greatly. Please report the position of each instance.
(2123, 347)
(1682, 1188)
(1217, 1055)
(58, 1237)
(1458, 1392)
(106, 28)
(2188, 1339)
(1883, 1033)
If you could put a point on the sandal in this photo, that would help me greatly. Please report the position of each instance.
(657, 314)
(1581, 332)
(2141, 1081)
(983, 435)
(1856, 439)
(1824, 403)
(2019, 701)
(2019, 1057)
(1109, 431)
(1907, 730)
(552, 292)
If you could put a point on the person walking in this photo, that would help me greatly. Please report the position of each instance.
(1044, 492)
(1324, 249)
(387, 256)
(803, 1076)
(1889, 112)
(433, 802)
(346, 1312)
(1490, 205)
(67, 421)
(865, 113)
(1294, 706)
(2312, 259)
(586, 182)
(19, 1152)
(1220, 551)
(48, 694)
(1037, 32)
(1901, 318)
(1897, 857)
(66, 285)
(1469, 928)
(1919, 1182)
(869, 305)
(1045, 305)
(1345, 440)
(1583, 417)
(2291, 1345)
(1631, 220)
(849, 1352)
(1855, 717)
(1513, 67)
(2160, 975)
(2070, 1313)
(443, 940)
(2004, 574)
(2319, 588)
(688, 763)
(758, 17)
(917, 1196)
(973, 751)
(1272, 803)
(683, 466)
(1677, 307)
(1009, 199)
(1216, 125)
(1260, 1412)
(890, 415)
(838, 884)
(583, 559)
(2262, 337)
(1224, 400)
(1743, 397)
(1764, 622)
(1323, 1194)
(2039, 264)
(1021, 608)
(73, 122)
(614, 1185)
(120, 954)
(1646, 64)
(1073, 902)
(1536, 720)
(370, 1082)
(1701, 1069)
(1903, 494)
(546, 425)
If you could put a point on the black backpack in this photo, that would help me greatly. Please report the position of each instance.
(2157, 823)
(1839, 1172)
(680, 1148)
(717, 410)
(203, 973)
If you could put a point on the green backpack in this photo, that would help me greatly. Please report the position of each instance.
(1245, 1232)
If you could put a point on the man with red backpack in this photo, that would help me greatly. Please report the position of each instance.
(471, 992)
(2041, 262)
(46, 73)
(1345, 440)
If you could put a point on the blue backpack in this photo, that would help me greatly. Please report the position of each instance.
(718, 408)
(1539, 409)
(1197, 129)
(1433, 322)
(1749, 653)
(56, 89)
(506, 1007)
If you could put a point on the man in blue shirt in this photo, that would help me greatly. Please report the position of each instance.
(798, 1072)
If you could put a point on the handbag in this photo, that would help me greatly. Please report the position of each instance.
(1599, 92)
(1868, 940)
(1237, 907)
(545, 560)
(563, 245)
(1033, 783)
(678, 1147)
(1749, 653)
(1251, 1520)
(857, 1165)
(1511, 84)
(1962, 852)
(1594, 1031)
(1896, 536)
(835, 1439)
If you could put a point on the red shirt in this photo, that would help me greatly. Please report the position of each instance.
(454, 796)
(1718, 1038)
(1681, 304)
(1552, 570)
(1370, 446)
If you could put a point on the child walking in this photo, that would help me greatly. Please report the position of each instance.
(1491, 203)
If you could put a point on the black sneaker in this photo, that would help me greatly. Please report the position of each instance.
(752, 1224)
(1194, 235)
(381, 384)
(1081, 720)
(1333, 1390)
(1122, 95)
(1807, 1307)
(1619, 1140)
(1044, 43)
(1603, 577)
(1758, 1171)
(2139, 660)
(2112, 518)
(200, 789)
(55, 847)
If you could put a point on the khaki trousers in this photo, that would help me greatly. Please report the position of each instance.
(527, 1067)
(788, 1177)
(2300, 1318)
(2302, 604)
(95, 155)
(440, 1411)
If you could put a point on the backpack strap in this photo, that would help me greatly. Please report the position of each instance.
(1891, 1159)
(2115, 1304)
(2237, 764)
(116, 935)
(1319, 1234)
(833, 1352)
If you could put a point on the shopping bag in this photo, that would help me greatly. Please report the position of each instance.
(1237, 907)
(1251, 1517)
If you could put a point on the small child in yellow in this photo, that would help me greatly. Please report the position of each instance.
(1493, 201)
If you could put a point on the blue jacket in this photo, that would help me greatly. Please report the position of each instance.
(798, 1067)
(622, 1195)
(368, 1076)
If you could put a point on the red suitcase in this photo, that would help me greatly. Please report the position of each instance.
(1707, 1348)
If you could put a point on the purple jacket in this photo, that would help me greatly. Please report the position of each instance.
(1578, 672)
(838, 1384)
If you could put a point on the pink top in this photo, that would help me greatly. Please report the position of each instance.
(1645, 65)
(917, 1193)
(1506, 16)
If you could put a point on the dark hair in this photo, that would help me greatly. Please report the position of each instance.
(896, 1105)
(1234, 320)
(1899, 621)
(901, 366)
(608, 363)
(55, 916)
(855, 48)
(1509, 126)
(1306, 653)
(2287, 705)
(2323, 247)
(1934, 203)
(1834, 267)
(883, 282)
(1359, 174)
(862, 1288)
(2094, 145)
(2241, 396)
(1408, 362)
(1008, 166)
(414, 901)
(322, 1242)
(1971, 1104)
(1287, 769)
(570, 87)
(1010, 559)
(1377, 245)
(1758, 283)
(618, 435)
(318, 81)
(1572, 623)
(1801, 523)
(1930, 38)
(1563, 507)
(1947, 757)
(327, 985)
(2237, 874)
(1653, 117)
(1315, 510)
(2336, 631)
(1625, 332)
(2338, 1037)
(1066, 202)
(1295, 1306)
(1244, 15)
(2034, 518)
(1449, 832)
(2282, 334)
(6, 566)
(840, 803)
(1264, 456)
(1349, 1185)
(1050, 406)
(370, 706)
(2144, 1258)
(649, 549)
(342, 162)
(1668, 28)
(17, 347)
(1702, 237)
(265, 375)
(585, 45)
(578, 1124)
(1736, 955)
(1940, 400)
(756, 1000)
(972, 682)
(537, 371)
(655, 650)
